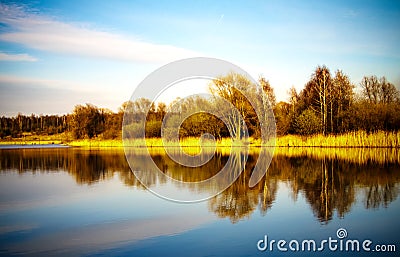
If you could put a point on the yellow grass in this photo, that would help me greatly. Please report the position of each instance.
(38, 139)
(354, 155)
(352, 139)
(30, 142)
(96, 143)
(185, 142)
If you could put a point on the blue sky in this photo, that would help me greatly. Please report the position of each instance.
(56, 54)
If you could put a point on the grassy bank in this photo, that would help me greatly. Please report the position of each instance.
(353, 139)
(150, 142)
(61, 138)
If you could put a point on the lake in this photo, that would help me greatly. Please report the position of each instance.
(77, 202)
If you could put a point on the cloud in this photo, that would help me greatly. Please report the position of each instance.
(47, 34)
(17, 57)
(43, 83)
(32, 95)
(350, 13)
(220, 19)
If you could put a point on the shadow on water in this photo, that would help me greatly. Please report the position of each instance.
(331, 180)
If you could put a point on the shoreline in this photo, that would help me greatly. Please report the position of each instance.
(32, 146)
(359, 139)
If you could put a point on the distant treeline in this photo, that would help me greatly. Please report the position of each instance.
(86, 121)
(328, 104)
(22, 125)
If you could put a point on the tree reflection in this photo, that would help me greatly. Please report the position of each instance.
(86, 166)
(238, 200)
(329, 184)
(324, 187)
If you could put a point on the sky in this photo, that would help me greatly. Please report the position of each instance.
(57, 54)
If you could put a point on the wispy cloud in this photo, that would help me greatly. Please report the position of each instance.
(350, 13)
(48, 34)
(32, 95)
(42, 83)
(220, 19)
(17, 57)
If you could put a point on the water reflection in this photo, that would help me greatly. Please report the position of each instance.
(330, 181)
(333, 185)
(86, 166)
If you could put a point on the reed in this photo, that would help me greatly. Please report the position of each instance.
(352, 155)
(190, 142)
(94, 143)
(30, 142)
(380, 139)
(190, 145)
(352, 139)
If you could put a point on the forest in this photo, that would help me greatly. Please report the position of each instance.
(329, 104)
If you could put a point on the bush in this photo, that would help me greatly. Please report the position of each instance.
(308, 123)
(153, 129)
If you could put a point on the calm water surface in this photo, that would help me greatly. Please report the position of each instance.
(87, 202)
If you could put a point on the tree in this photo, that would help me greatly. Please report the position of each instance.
(282, 112)
(378, 106)
(265, 104)
(268, 90)
(232, 88)
(389, 93)
(112, 124)
(330, 98)
(293, 98)
(378, 90)
(87, 121)
(201, 123)
(321, 83)
(161, 111)
(341, 101)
